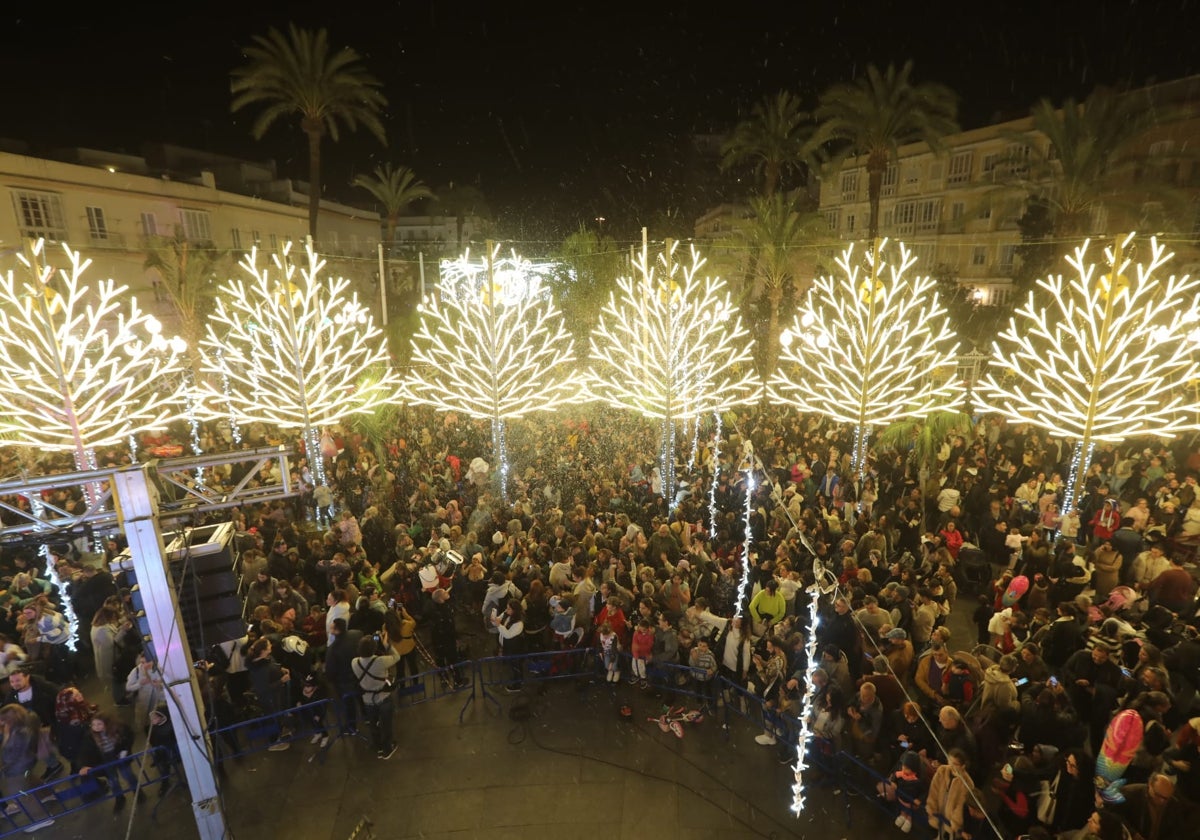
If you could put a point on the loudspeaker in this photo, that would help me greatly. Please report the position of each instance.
(202, 562)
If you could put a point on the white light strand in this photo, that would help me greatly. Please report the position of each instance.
(806, 703)
(68, 612)
(744, 584)
(1078, 463)
(133, 448)
(716, 475)
(235, 431)
(695, 445)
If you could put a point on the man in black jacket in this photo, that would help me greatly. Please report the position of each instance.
(38, 695)
(343, 647)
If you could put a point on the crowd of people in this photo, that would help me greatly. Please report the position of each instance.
(995, 722)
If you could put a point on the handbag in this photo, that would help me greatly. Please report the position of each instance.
(1047, 800)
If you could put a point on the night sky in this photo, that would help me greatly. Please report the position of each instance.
(559, 112)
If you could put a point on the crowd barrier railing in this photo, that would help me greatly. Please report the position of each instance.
(724, 701)
(39, 806)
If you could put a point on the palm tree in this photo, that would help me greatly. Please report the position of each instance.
(775, 138)
(1091, 162)
(590, 262)
(298, 74)
(875, 115)
(395, 187)
(775, 236)
(189, 277)
(923, 438)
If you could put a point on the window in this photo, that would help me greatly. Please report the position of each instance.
(96, 226)
(255, 238)
(924, 253)
(850, 223)
(912, 173)
(985, 211)
(889, 181)
(196, 227)
(1007, 254)
(929, 213)
(935, 172)
(1162, 147)
(274, 242)
(979, 255)
(906, 214)
(40, 215)
(1016, 159)
(960, 168)
(149, 225)
(989, 163)
(831, 218)
(957, 210)
(235, 236)
(850, 185)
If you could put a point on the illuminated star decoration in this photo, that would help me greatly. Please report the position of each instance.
(671, 346)
(1098, 361)
(288, 349)
(868, 348)
(494, 351)
(79, 368)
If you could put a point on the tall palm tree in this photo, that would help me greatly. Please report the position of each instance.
(774, 138)
(922, 438)
(297, 73)
(775, 236)
(395, 187)
(189, 277)
(876, 114)
(1092, 161)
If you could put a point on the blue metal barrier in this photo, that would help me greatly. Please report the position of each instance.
(38, 807)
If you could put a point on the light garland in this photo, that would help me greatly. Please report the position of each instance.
(671, 346)
(744, 583)
(235, 430)
(492, 356)
(289, 349)
(513, 278)
(712, 488)
(806, 703)
(868, 350)
(1100, 358)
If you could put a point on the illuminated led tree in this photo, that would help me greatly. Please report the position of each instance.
(1100, 361)
(495, 349)
(868, 347)
(288, 349)
(671, 345)
(80, 367)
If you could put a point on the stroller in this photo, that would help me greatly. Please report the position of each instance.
(975, 570)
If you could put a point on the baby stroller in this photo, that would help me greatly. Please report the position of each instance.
(975, 570)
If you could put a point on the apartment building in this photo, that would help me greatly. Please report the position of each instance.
(959, 212)
(113, 207)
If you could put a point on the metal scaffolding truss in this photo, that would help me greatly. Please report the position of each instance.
(181, 495)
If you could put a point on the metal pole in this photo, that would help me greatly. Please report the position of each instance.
(137, 512)
(421, 266)
(382, 285)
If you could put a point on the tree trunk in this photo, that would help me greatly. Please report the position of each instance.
(314, 178)
(876, 166)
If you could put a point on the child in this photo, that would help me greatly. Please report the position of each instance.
(1015, 543)
(640, 649)
(904, 787)
(609, 648)
(702, 659)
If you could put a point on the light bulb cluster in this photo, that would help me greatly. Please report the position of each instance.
(716, 475)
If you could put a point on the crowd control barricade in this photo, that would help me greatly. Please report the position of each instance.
(510, 674)
(38, 806)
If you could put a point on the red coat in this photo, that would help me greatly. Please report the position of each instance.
(953, 540)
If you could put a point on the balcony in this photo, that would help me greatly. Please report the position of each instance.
(108, 239)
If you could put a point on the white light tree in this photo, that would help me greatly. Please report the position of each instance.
(494, 348)
(80, 367)
(869, 347)
(670, 345)
(1097, 360)
(285, 348)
